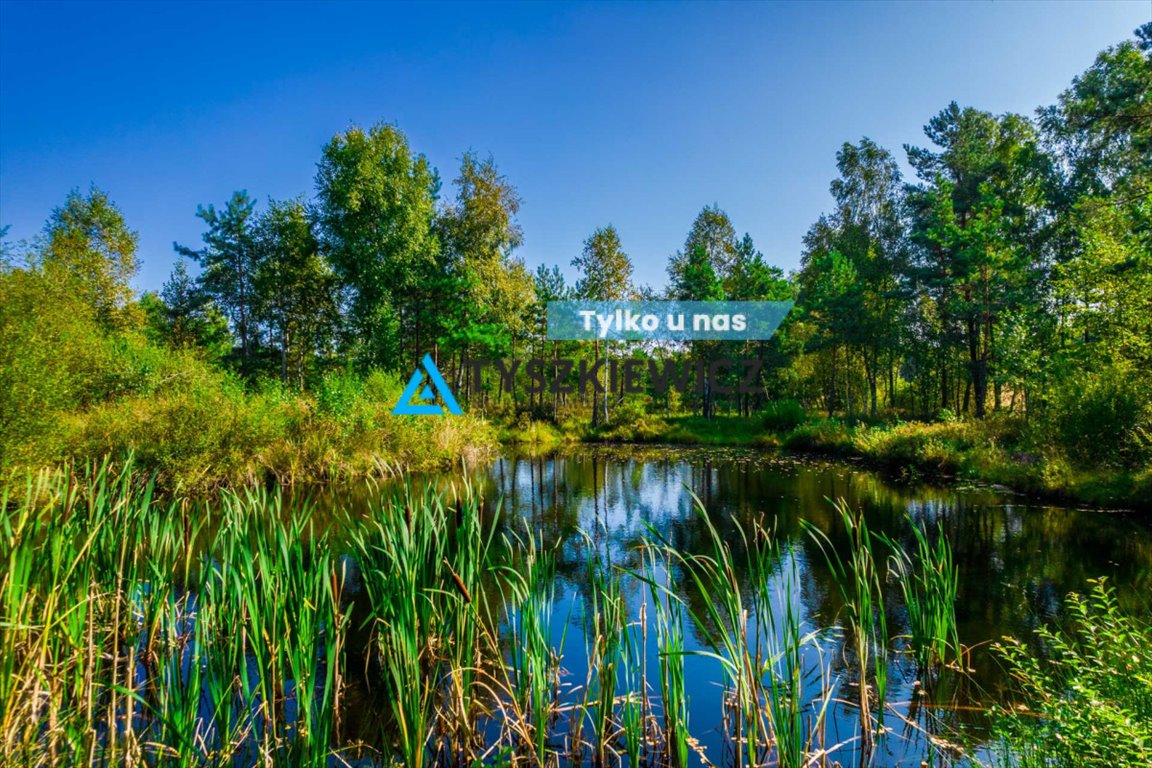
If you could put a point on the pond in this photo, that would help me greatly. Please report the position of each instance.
(1017, 559)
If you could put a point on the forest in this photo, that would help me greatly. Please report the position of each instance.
(988, 316)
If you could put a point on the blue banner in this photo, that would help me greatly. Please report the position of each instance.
(665, 320)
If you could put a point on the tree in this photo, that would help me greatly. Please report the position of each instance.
(976, 218)
(296, 287)
(869, 201)
(829, 294)
(550, 286)
(87, 243)
(1102, 124)
(183, 317)
(712, 230)
(376, 202)
(696, 280)
(605, 270)
(605, 275)
(487, 295)
(229, 261)
(754, 279)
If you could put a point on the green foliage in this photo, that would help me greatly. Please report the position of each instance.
(711, 231)
(605, 269)
(71, 390)
(187, 644)
(929, 582)
(858, 580)
(229, 260)
(50, 349)
(479, 298)
(296, 288)
(696, 279)
(88, 245)
(1103, 418)
(754, 279)
(782, 415)
(1085, 698)
(376, 203)
(184, 318)
(1101, 121)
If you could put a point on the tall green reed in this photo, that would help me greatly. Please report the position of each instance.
(533, 681)
(124, 641)
(858, 582)
(760, 651)
(929, 582)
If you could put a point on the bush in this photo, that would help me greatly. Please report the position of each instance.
(1104, 420)
(938, 447)
(783, 415)
(1087, 701)
(828, 435)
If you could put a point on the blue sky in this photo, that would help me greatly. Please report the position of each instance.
(631, 114)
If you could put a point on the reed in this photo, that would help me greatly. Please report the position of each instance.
(402, 569)
(137, 631)
(130, 637)
(796, 721)
(604, 630)
(669, 609)
(759, 647)
(929, 581)
(858, 582)
(533, 660)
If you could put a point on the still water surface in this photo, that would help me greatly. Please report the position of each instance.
(1017, 559)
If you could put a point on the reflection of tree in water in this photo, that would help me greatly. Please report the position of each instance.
(1016, 560)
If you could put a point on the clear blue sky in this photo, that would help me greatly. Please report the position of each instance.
(633, 114)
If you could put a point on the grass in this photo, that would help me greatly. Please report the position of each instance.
(759, 648)
(671, 649)
(138, 631)
(199, 429)
(929, 583)
(131, 634)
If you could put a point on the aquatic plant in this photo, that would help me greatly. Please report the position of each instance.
(929, 581)
(858, 580)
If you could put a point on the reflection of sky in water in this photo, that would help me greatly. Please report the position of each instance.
(1016, 560)
(1016, 563)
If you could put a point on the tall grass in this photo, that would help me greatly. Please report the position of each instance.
(130, 635)
(534, 680)
(759, 645)
(671, 648)
(929, 582)
(858, 581)
(137, 631)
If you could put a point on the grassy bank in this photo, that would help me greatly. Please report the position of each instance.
(199, 427)
(197, 436)
(1002, 450)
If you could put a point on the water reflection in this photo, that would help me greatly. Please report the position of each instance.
(1017, 559)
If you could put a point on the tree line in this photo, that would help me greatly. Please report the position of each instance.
(1011, 272)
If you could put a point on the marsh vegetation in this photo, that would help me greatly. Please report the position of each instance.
(543, 612)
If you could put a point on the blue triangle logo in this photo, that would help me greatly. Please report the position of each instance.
(426, 399)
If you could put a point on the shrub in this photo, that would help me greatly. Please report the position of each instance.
(783, 415)
(822, 435)
(1104, 419)
(1087, 701)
